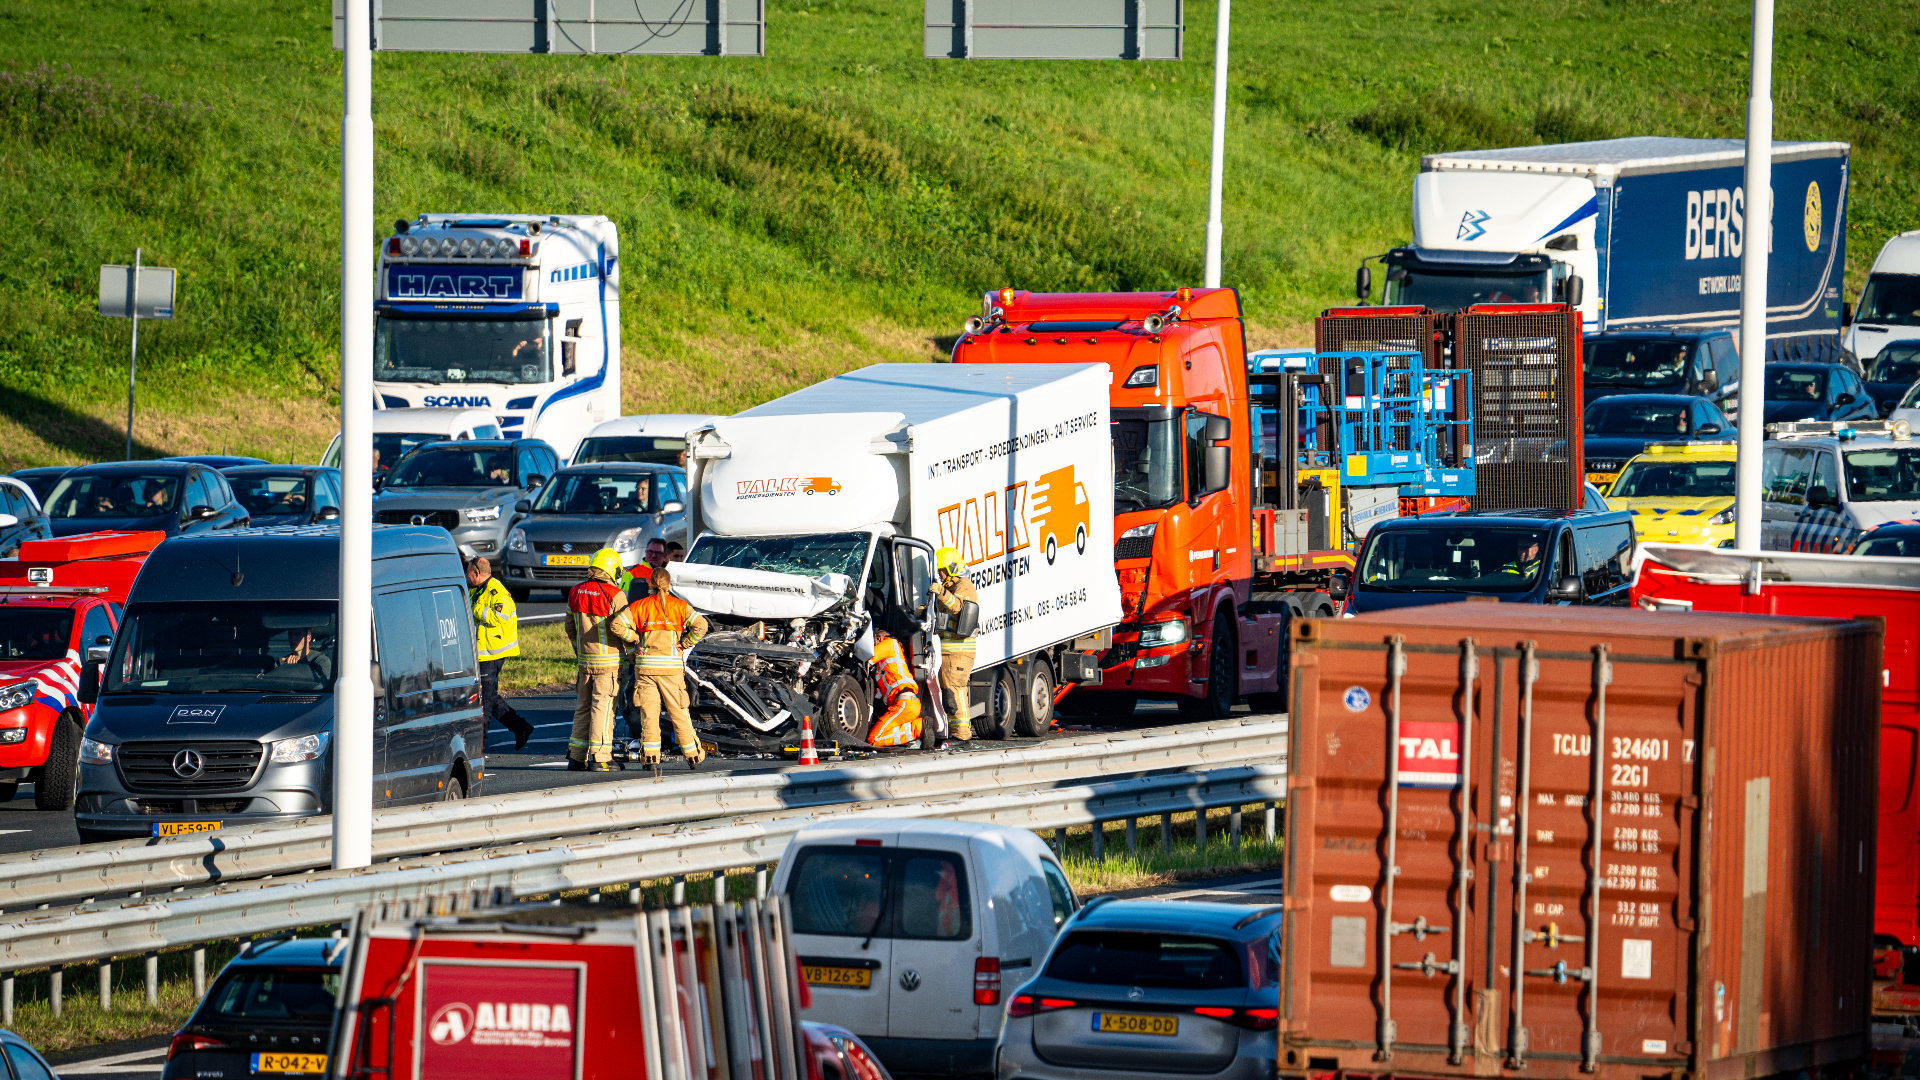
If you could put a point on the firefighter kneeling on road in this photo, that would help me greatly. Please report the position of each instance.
(956, 653)
(600, 625)
(668, 627)
(899, 724)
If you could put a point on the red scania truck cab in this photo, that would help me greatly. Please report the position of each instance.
(1183, 499)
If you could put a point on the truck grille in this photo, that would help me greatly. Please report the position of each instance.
(224, 766)
(444, 519)
(1132, 547)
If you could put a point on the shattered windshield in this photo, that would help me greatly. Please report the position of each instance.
(807, 556)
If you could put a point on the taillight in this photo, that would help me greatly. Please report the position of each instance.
(1028, 1005)
(1252, 1019)
(986, 980)
(526, 248)
(184, 1043)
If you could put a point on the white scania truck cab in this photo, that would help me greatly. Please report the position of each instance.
(817, 517)
(518, 314)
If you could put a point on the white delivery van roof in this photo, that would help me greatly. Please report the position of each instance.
(917, 393)
(1607, 158)
(667, 425)
(432, 421)
(1901, 255)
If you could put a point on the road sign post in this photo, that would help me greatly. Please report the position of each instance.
(135, 292)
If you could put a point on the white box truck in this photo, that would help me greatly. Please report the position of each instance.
(817, 515)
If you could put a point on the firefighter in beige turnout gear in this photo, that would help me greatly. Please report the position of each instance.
(601, 627)
(956, 653)
(668, 627)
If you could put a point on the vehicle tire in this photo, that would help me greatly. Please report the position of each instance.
(519, 595)
(1269, 603)
(455, 790)
(845, 712)
(1222, 675)
(1003, 706)
(57, 780)
(8, 789)
(1051, 548)
(1036, 705)
(1080, 539)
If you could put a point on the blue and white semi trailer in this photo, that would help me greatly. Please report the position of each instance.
(518, 314)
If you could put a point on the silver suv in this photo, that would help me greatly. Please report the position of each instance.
(475, 489)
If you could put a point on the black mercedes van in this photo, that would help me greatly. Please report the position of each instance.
(215, 707)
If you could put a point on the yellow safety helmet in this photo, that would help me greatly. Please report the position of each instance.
(947, 561)
(607, 560)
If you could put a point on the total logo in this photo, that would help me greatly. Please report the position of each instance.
(784, 486)
(502, 1024)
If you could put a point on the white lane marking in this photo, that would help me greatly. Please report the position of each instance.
(118, 1063)
(10, 832)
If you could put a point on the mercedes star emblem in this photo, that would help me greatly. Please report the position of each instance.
(1136, 994)
(417, 519)
(909, 980)
(188, 764)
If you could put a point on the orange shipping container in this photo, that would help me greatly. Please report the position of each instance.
(1694, 900)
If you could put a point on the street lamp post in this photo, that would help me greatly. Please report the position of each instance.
(1753, 282)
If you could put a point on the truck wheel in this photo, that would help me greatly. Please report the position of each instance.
(1003, 704)
(1036, 705)
(844, 712)
(1222, 676)
(60, 776)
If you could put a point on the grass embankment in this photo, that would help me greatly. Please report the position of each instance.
(842, 201)
(83, 1023)
(545, 660)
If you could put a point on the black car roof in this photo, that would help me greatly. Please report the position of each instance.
(161, 466)
(1801, 365)
(619, 467)
(468, 444)
(276, 470)
(288, 562)
(1537, 513)
(302, 952)
(40, 470)
(1621, 334)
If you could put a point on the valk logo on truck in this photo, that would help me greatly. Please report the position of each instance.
(499, 1020)
(780, 487)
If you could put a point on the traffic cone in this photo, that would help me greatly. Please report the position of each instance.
(808, 755)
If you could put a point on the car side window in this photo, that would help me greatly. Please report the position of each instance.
(95, 626)
(1826, 474)
(197, 493)
(527, 465)
(221, 491)
(1060, 892)
(550, 462)
(10, 502)
(1784, 472)
(1726, 362)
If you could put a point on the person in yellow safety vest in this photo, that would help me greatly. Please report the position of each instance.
(899, 725)
(496, 624)
(668, 627)
(601, 628)
(956, 653)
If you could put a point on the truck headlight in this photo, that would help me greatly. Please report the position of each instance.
(483, 513)
(95, 753)
(517, 540)
(626, 539)
(1724, 517)
(1140, 530)
(1167, 632)
(18, 695)
(300, 748)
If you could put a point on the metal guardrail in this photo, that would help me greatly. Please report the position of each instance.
(448, 883)
(119, 868)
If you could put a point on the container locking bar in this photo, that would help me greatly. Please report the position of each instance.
(1462, 869)
(1560, 973)
(1597, 802)
(1419, 928)
(1429, 966)
(1517, 1029)
(1396, 668)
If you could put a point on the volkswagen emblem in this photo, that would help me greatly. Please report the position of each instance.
(417, 519)
(188, 764)
(566, 547)
(1136, 994)
(909, 980)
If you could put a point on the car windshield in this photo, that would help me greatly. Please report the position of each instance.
(597, 493)
(808, 556)
(390, 446)
(1451, 558)
(224, 646)
(1904, 546)
(1146, 464)
(1148, 958)
(1635, 364)
(1794, 384)
(1657, 479)
(462, 351)
(34, 633)
(265, 496)
(272, 993)
(113, 495)
(1897, 363)
(452, 467)
(1889, 475)
(1890, 298)
(646, 449)
(1614, 416)
(1444, 291)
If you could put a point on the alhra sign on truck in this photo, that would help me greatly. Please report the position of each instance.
(1638, 233)
(817, 516)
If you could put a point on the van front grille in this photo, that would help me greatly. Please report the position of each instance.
(222, 766)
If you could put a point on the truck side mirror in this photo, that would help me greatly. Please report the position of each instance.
(1218, 465)
(327, 513)
(89, 682)
(1821, 496)
(1567, 588)
(1363, 283)
(1575, 291)
(1219, 429)
(1339, 586)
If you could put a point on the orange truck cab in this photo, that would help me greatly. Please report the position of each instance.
(59, 601)
(1195, 632)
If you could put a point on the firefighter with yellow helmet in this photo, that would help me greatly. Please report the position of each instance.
(952, 589)
(601, 629)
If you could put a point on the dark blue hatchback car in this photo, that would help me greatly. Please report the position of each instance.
(1147, 988)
